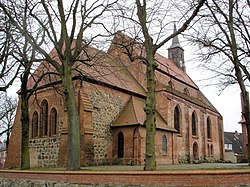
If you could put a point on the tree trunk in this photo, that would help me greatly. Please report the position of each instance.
(247, 118)
(238, 74)
(73, 120)
(25, 157)
(8, 137)
(150, 162)
(246, 113)
(245, 99)
(248, 140)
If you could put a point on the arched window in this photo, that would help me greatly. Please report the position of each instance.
(195, 151)
(194, 124)
(208, 128)
(34, 124)
(164, 144)
(177, 119)
(212, 150)
(53, 121)
(120, 145)
(208, 150)
(44, 119)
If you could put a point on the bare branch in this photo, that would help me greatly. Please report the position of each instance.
(184, 25)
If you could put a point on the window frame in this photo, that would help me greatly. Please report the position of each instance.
(53, 122)
(164, 144)
(194, 124)
(209, 128)
(120, 145)
(177, 119)
(44, 119)
(35, 125)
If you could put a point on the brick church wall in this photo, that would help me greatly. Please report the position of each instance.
(44, 151)
(14, 148)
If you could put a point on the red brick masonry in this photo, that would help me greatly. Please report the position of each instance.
(182, 178)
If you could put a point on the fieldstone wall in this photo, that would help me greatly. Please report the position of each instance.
(42, 183)
(106, 109)
(44, 152)
(227, 177)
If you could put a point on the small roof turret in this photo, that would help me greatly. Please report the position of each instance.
(175, 41)
(176, 52)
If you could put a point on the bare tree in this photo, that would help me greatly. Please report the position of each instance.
(24, 56)
(223, 38)
(8, 107)
(64, 26)
(8, 69)
(149, 22)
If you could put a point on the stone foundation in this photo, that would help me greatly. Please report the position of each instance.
(44, 152)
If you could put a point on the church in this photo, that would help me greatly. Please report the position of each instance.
(110, 92)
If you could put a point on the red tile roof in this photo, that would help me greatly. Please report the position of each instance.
(169, 67)
(114, 68)
(133, 114)
(93, 64)
(164, 65)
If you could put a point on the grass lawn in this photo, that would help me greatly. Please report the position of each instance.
(177, 167)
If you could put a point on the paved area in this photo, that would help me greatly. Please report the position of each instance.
(203, 166)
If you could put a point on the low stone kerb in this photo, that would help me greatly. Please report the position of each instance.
(186, 178)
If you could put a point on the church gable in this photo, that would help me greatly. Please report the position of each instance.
(133, 114)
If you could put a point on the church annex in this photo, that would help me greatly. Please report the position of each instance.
(110, 93)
